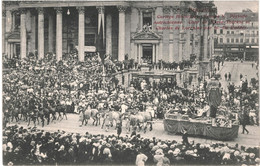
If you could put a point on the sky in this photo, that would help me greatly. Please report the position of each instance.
(236, 6)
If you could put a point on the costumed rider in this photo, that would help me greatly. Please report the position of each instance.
(214, 98)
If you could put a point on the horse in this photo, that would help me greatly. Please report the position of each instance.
(33, 115)
(61, 109)
(142, 119)
(111, 116)
(15, 114)
(52, 112)
(91, 113)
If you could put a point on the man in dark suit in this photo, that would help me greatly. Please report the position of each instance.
(245, 121)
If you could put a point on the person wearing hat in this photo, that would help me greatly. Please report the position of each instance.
(185, 137)
(141, 158)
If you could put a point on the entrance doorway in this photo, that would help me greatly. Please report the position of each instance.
(147, 53)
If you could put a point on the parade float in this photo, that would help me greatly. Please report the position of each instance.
(216, 122)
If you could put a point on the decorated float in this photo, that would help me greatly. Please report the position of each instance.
(216, 122)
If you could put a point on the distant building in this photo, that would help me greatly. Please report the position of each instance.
(236, 35)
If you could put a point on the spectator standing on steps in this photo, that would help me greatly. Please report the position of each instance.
(226, 76)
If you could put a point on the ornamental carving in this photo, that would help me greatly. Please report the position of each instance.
(4, 13)
(101, 9)
(121, 8)
(81, 9)
(175, 10)
(58, 9)
(146, 35)
(40, 10)
(166, 10)
(22, 11)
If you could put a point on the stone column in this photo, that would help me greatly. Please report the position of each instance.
(132, 50)
(8, 50)
(154, 55)
(157, 53)
(50, 32)
(29, 30)
(59, 33)
(205, 38)
(180, 51)
(40, 33)
(181, 35)
(170, 40)
(13, 20)
(3, 31)
(140, 51)
(176, 34)
(186, 52)
(12, 49)
(22, 34)
(140, 18)
(136, 53)
(33, 34)
(8, 23)
(81, 33)
(109, 34)
(121, 38)
(160, 50)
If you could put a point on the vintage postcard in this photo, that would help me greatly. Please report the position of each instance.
(127, 82)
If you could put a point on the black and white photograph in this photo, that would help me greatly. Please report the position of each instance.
(130, 82)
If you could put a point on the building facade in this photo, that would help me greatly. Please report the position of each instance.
(236, 35)
(138, 29)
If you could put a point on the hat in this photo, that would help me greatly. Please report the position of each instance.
(159, 152)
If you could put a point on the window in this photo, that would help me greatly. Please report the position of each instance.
(215, 31)
(253, 32)
(241, 41)
(221, 40)
(237, 40)
(227, 32)
(247, 40)
(252, 40)
(232, 32)
(232, 40)
(147, 18)
(227, 40)
(90, 39)
(221, 31)
(16, 16)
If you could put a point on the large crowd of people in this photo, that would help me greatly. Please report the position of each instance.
(42, 88)
(31, 146)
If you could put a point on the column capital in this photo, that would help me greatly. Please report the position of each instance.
(121, 8)
(176, 10)
(101, 9)
(166, 9)
(22, 11)
(3, 13)
(58, 10)
(40, 10)
(81, 9)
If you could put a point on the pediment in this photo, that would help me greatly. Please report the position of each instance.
(146, 35)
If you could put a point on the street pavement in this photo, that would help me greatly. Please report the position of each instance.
(72, 125)
(236, 68)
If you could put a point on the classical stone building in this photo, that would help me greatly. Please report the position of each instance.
(141, 29)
